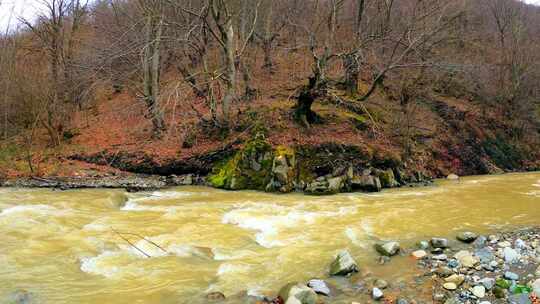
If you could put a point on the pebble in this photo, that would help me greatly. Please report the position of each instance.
(456, 279)
(511, 276)
(485, 302)
(519, 299)
(479, 291)
(536, 287)
(381, 284)
(377, 294)
(480, 242)
(488, 283)
(466, 259)
(510, 255)
(504, 244)
(453, 263)
(450, 286)
(440, 257)
(319, 286)
(419, 254)
(444, 272)
(423, 245)
(520, 244)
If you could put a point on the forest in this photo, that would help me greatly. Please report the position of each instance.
(442, 86)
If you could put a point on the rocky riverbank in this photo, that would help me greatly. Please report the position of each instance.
(256, 165)
(499, 268)
(131, 182)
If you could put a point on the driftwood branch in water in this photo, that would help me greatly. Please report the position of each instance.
(130, 243)
(145, 239)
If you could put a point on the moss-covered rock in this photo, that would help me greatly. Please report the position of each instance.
(248, 169)
(283, 171)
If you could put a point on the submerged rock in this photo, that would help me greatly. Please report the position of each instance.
(467, 237)
(215, 296)
(439, 243)
(296, 293)
(319, 286)
(343, 265)
(388, 248)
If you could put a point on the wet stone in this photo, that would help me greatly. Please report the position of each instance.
(377, 294)
(319, 286)
(439, 243)
(215, 296)
(467, 237)
(511, 276)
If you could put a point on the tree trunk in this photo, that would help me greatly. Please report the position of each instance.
(352, 71)
(231, 72)
(151, 71)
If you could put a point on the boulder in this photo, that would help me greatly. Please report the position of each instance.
(366, 183)
(387, 178)
(296, 293)
(452, 177)
(326, 185)
(283, 171)
(343, 264)
(388, 248)
(467, 237)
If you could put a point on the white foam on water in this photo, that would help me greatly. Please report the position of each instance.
(269, 219)
(98, 265)
(38, 209)
(227, 268)
(227, 255)
(535, 193)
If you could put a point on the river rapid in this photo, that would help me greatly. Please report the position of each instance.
(176, 245)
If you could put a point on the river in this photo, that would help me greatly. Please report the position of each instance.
(74, 246)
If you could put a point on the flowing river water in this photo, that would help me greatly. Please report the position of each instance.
(73, 246)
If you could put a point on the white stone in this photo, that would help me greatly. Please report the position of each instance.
(450, 286)
(510, 255)
(479, 291)
(377, 294)
(419, 254)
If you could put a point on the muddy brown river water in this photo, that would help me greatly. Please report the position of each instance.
(74, 246)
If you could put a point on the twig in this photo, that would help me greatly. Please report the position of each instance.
(130, 243)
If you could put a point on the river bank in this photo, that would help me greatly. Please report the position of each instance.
(499, 268)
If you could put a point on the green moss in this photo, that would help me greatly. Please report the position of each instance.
(249, 168)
